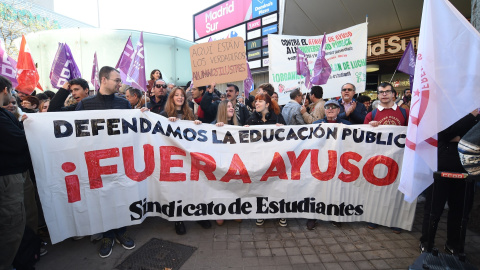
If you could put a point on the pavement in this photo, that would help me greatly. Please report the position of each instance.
(247, 246)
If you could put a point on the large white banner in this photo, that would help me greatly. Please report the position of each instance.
(345, 51)
(98, 170)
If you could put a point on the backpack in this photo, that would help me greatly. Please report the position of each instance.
(402, 110)
(29, 251)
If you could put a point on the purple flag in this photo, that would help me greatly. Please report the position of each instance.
(8, 66)
(94, 80)
(302, 67)
(136, 72)
(248, 83)
(125, 60)
(64, 67)
(321, 69)
(407, 62)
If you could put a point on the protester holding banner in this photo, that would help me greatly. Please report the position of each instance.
(266, 112)
(449, 190)
(387, 113)
(176, 108)
(13, 168)
(225, 115)
(154, 76)
(350, 109)
(79, 90)
(317, 110)
(106, 99)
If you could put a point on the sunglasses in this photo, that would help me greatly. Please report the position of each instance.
(330, 107)
(347, 89)
(160, 85)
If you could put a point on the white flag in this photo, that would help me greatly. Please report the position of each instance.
(445, 89)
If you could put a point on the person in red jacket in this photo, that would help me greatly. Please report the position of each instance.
(387, 113)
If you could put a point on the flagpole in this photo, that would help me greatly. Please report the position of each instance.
(393, 75)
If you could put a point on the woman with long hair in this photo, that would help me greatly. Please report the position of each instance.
(176, 108)
(267, 112)
(225, 114)
(154, 76)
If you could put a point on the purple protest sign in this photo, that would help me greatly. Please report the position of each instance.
(248, 83)
(125, 60)
(302, 67)
(8, 66)
(321, 69)
(136, 72)
(64, 67)
(94, 80)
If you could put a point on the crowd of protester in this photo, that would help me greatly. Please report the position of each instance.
(207, 105)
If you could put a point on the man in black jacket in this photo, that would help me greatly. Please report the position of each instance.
(14, 162)
(77, 87)
(105, 99)
(350, 109)
(159, 98)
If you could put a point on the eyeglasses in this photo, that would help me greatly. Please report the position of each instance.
(330, 107)
(347, 89)
(160, 85)
(119, 81)
(385, 92)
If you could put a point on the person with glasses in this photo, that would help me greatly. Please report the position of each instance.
(30, 104)
(106, 99)
(159, 98)
(291, 111)
(388, 112)
(317, 110)
(350, 109)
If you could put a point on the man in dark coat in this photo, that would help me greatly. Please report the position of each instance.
(350, 109)
(79, 90)
(106, 99)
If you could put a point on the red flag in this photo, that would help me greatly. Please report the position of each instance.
(27, 75)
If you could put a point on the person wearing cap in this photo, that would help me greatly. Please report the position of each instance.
(332, 109)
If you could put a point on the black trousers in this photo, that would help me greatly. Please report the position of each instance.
(453, 191)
